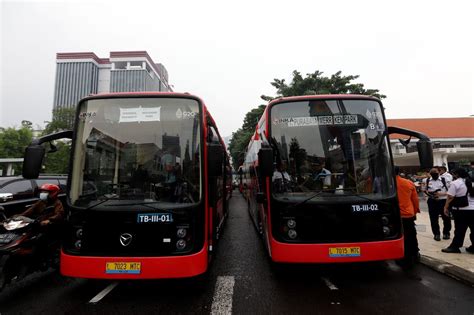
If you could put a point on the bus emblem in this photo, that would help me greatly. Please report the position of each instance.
(126, 239)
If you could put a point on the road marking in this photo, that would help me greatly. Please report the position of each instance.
(330, 285)
(222, 300)
(103, 293)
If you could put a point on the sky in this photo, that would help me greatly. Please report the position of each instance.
(418, 53)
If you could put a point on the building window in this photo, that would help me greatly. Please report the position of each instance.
(136, 65)
(446, 146)
(122, 65)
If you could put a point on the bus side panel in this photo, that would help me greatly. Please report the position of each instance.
(151, 267)
(319, 253)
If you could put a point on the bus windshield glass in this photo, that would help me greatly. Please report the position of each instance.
(330, 148)
(137, 151)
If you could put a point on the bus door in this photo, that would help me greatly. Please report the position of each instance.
(216, 187)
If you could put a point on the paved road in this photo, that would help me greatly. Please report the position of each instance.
(242, 280)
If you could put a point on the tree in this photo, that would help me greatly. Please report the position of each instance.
(13, 143)
(316, 83)
(240, 139)
(57, 162)
(63, 119)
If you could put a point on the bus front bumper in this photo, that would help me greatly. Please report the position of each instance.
(93, 267)
(336, 253)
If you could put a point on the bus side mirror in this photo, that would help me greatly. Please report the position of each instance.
(265, 161)
(215, 158)
(425, 154)
(32, 161)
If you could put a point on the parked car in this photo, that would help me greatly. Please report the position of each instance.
(18, 194)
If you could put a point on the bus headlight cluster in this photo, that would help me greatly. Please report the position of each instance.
(181, 233)
(386, 227)
(291, 223)
(181, 243)
(78, 244)
(292, 234)
(78, 235)
(289, 227)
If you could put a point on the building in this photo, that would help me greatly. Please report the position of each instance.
(83, 73)
(452, 138)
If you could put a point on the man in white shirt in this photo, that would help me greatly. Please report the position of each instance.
(459, 193)
(321, 174)
(443, 172)
(436, 187)
(281, 179)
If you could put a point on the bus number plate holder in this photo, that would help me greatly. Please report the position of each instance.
(123, 267)
(344, 252)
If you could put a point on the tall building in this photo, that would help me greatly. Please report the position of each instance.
(83, 73)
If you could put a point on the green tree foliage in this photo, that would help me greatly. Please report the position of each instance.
(13, 143)
(316, 83)
(313, 83)
(58, 162)
(240, 139)
(63, 119)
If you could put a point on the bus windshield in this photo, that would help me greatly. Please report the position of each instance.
(140, 150)
(330, 148)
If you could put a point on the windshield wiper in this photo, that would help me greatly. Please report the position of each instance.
(361, 196)
(306, 200)
(101, 202)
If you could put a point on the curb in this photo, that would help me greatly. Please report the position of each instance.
(453, 271)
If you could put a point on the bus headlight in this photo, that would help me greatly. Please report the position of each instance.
(292, 234)
(79, 233)
(181, 233)
(385, 220)
(78, 244)
(180, 244)
(386, 231)
(291, 223)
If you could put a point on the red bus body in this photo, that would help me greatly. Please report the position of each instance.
(261, 211)
(213, 207)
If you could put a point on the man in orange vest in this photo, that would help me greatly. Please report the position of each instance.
(409, 207)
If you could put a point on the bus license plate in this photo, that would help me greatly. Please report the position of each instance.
(344, 251)
(123, 267)
(154, 218)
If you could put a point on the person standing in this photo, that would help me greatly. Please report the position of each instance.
(435, 187)
(409, 207)
(281, 179)
(443, 172)
(461, 203)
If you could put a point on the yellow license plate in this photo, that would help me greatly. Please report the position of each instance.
(344, 251)
(123, 267)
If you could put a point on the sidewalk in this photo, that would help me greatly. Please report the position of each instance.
(460, 266)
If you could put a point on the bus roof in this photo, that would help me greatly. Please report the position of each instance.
(141, 94)
(322, 97)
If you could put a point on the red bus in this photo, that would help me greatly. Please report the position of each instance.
(319, 180)
(147, 193)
